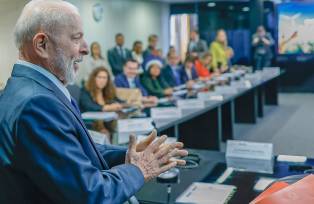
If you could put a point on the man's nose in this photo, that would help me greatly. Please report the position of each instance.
(84, 48)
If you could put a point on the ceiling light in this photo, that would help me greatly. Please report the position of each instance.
(211, 4)
(246, 9)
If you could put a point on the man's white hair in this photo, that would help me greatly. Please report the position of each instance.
(41, 15)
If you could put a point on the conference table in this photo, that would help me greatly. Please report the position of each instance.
(209, 127)
(211, 167)
(242, 100)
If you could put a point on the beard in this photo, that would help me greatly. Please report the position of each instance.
(65, 66)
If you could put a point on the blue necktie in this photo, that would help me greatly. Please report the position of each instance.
(74, 104)
(176, 76)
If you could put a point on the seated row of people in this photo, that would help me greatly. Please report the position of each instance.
(99, 91)
(117, 56)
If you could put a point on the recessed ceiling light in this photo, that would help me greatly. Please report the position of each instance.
(211, 4)
(246, 9)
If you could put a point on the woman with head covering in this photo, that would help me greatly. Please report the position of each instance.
(153, 81)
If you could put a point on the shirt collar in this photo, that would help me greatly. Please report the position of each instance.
(47, 74)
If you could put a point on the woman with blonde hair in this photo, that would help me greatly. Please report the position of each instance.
(96, 59)
(220, 51)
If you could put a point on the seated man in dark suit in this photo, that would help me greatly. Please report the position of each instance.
(171, 72)
(130, 79)
(118, 55)
(196, 47)
(46, 152)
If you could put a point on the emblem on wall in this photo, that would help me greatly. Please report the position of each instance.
(98, 12)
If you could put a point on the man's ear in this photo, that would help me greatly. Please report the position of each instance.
(40, 45)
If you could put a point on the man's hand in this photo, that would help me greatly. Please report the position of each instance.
(155, 157)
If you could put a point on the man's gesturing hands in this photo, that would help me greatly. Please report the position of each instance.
(154, 157)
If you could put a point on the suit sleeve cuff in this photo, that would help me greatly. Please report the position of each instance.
(132, 176)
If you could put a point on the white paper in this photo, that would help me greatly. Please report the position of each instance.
(191, 104)
(163, 100)
(263, 183)
(105, 116)
(180, 93)
(206, 193)
(165, 113)
(249, 150)
(290, 158)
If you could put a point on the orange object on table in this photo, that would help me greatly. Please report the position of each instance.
(270, 190)
(301, 192)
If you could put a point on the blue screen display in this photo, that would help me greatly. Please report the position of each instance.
(296, 28)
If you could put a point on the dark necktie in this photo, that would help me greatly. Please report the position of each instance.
(121, 52)
(74, 104)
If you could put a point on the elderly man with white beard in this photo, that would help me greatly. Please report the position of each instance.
(46, 153)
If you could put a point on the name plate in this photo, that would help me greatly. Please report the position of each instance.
(165, 113)
(105, 116)
(209, 96)
(251, 165)
(191, 104)
(226, 90)
(135, 125)
(249, 150)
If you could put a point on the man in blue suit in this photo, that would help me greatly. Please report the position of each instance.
(118, 55)
(129, 78)
(46, 153)
(172, 71)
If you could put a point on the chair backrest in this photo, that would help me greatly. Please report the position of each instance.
(131, 96)
(75, 91)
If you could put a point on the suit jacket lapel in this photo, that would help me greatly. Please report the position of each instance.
(23, 71)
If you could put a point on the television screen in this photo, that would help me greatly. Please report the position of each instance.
(296, 28)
